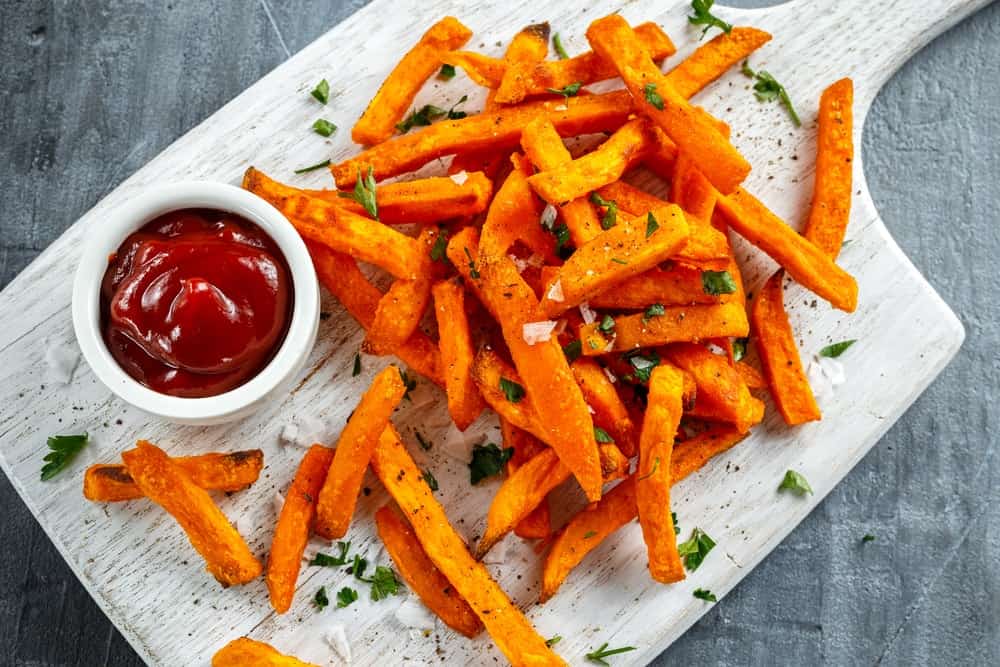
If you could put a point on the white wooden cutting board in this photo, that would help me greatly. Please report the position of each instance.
(137, 563)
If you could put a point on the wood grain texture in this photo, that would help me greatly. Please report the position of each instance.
(131, 426)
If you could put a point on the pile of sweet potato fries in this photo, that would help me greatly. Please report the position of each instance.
(601, 323)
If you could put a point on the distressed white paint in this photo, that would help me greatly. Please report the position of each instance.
(139, 566)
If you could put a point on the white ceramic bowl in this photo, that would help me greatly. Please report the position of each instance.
(107, 235)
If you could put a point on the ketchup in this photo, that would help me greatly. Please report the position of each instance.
(195, 302)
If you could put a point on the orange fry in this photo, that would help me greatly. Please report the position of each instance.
(495, 130)
(805, 262)
(527, 49)
(678, 285)
(694, 133)
(339, 494)
(230, 471)
(690, 190)
(485, 70)
(753, 378)
(464, 400)
(538, 523)
(394, 97)
(779, 356)
(609, 410)
(831, 204)
(677, 324)
(721, 393)
(227, 556)
(422, 576)
(294, 523)
(245, 652)
(487, 370)
(513, 216)
(508, 627)
(711, 60)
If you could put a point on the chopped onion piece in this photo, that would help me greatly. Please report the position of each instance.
(587, 313)
(556, 292)
(459, 178)
(537, 332)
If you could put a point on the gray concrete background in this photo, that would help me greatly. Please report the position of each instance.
(91, 91)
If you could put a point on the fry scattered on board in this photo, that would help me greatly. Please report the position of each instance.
(246, 652)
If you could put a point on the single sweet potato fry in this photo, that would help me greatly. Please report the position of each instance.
(538, 523)
(394, 97)
(779, 355)
(831, 204)
(422, 201)
(528, 48)
(713, 58)
(804, 261)
(617, 507)
(690, 190)
(609, 411)
(513, 216)
(694, 134)
(227, 556)
(218, 471)
(422, 576)
(721, 395)
(508, 627)
(339, 494)
(545, 148)
(294, 524)
(678, 285)
(495, 130)
(605, 164)
(542, 366)
(677, 324)
(653, 473)
(340, 275)
(484, 70)
(753, 378)
(585, 68)
(464, 400)
(245, 652)
(628, 249)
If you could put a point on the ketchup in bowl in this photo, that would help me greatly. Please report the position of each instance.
(196, 302)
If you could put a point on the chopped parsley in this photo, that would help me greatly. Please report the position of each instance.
(768, 89)
(610, 218)
(573, 350)
(429, 113)
(553, 640)
(717, 282)
(652, 96)
(589, 534)
(512, 390)
(320, 599)
(439, 251)
(424, 444)
(656, 310)
(868, 538)
(652, 471)
(600, 435)
(447, 72)
(346, 596)
(603, 652)
(364, 192)
(322, 91)
(837, 349)
(740, 348)
(607, 325)
(695, 549)
(561, 52)
(796, 483)
(677, 526)
(62, 450)
(384, 583)
(356, 371)
(561, 232)
(323, 127)
(313, 167)
(703, 16)
(472, 265)
(705, 594)
(431, 480)
(487, 460)
(618, 260)
(567, 91)
(325, 560)
(651, 224)
(643, 364)
(409, 383)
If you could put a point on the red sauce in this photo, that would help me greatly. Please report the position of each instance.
(196, 302)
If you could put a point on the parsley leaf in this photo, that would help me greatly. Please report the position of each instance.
(439, 251)
(419, 118)
(695, 549)
(487, 460)
(322, 91)
(313, 167)
(652, 471)
(458, 115)
(356, 371)
(358, 567)
(573, 350)
(740, 348)
(320, 599)
(717, 282)
(560, 51)
(561, 232)
(651, 224)
(644, 364)
(323, 127)
(447, 72)
(62, 450)
(655, 310)
(603, 652)
(705, 594)
(767, 89)
(345, 596)
(424, 444)
(589, 534)
(325, 560)
(837, 349)
(364, 192)
(610, 218)
(677, 526)
(409, 383)
(553, 640)
(607, 325)
(600, 435)
(868, 538)
(384, 583)
(472, 265)
(512, 390)
(703, 16)
(567, 91)
(431, 480)
(795, 482)
(652, 96)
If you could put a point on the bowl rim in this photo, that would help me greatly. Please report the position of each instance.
(107, 236)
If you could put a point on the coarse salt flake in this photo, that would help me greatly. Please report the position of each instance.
(277, 503)
(555, 292)
(611, 376)
(587, 313)
(536, 332)
(336, 637)
(548, 216)
(459, 178)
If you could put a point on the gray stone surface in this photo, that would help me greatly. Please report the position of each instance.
(90, 91)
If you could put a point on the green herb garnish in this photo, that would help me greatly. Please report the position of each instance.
(703, 16)
(356, 371)
(705, 594)
(447, 72)
(837, 349)
(364, 192)
(322, 91)
(384, 583)
(431, 480)
(573, 350)
(313, 167)
(409, 383)
(717, 282)
(589, 534)
(677, 526)
(607, 324)
(651, 224)
(695, 549)
(424, 444)
(552, 641)
(767, 89)
(325, 560)
(567, 91)
(512, 390)
(603, 652)
(324, 127)
(472, 265)
(345, 596)
(62, 450)
(600, 435)
(656, 310)
(643, 364)
(439, 251)
(652, 471)
(610, 218)
(652, 96)
(740, 348)
(795, 482)
(618, 260)
(560, 51)
(320, 599)
(868, 538)
(487, 460)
